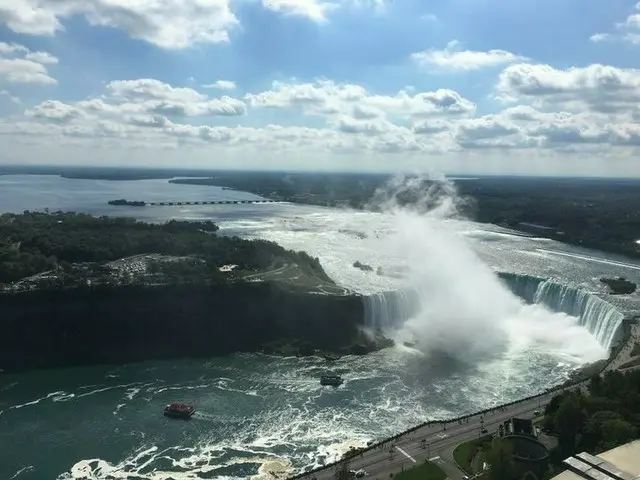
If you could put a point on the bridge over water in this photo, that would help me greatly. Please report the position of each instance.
(208, 202)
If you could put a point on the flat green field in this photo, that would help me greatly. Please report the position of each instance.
(466, 452)
(296, 278)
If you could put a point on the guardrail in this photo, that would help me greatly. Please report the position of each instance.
(565, 386)
(376, 445)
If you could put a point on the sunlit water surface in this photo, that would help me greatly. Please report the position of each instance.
(257, 413)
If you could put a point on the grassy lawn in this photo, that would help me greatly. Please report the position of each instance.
(296, 279)
(465, 452)
(423, 471)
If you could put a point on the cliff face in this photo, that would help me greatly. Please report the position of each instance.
(46, 329)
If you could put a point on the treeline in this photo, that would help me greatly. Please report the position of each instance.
(604, 417)
(327, 189)
(31, 243)
(596, 213)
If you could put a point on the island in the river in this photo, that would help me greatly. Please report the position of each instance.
(129, 203)
(598, 213)
(363, 266)
(79, 290)
(619, 285)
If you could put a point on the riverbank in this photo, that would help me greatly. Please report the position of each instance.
(436, 440)
(81, 290)
(593, 213)
(118, 325)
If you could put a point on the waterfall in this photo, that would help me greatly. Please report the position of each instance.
(524, 286)
(600, 318)
(386, 310)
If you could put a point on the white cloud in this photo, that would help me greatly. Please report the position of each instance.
(153, 97)
(18, 64)
(627, 31)
(221, 85)
(452, 58)
(315, 10)
(600, 37)
(11, 48)
(430, 127)
(41, 57)
(169, 24)
(147, 114)
(368, 127)
(7, 94)
(327, 98)
(318, 11)
(55, 111)
(597, 87)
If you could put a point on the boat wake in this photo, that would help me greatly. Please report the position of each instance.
(473, 340)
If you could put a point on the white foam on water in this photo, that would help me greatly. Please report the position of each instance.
(52, 395)
(511, 350)
(26, 469)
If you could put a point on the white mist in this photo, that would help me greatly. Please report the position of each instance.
(465, 311)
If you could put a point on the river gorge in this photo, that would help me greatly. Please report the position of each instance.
(533, 308)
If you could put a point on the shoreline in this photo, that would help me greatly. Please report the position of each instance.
(548, 394)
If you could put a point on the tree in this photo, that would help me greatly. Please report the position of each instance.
(596, 385)
(616, 432)
(569, 420)
(592, 435)
(500, 460)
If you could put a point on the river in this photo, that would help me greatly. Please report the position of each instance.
(258, 413)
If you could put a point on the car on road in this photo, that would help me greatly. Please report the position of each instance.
(484, 430)
(536, 413)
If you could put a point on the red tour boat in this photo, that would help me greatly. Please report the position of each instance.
(179, 410)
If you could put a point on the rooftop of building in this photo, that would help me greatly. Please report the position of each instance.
(620, 463)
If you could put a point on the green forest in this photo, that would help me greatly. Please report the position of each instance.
(596, 213)
(31, 243)
(598, 417)
(603, 417)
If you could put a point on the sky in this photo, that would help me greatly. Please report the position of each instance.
(542, 87)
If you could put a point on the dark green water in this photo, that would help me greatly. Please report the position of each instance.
(257, 413)
(253, 411)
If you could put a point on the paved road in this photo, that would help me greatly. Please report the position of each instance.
(438, 447)
(393, 456)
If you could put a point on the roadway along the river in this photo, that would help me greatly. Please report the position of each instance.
(393, 456)
(402, 453)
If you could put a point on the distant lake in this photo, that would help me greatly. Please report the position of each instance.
(37, 192)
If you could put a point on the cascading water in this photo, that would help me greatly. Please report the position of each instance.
(391, 309)
(600, 318)
(449, 301)
(386, 310)
(524, 286)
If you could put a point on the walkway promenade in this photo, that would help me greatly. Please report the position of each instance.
(440, 439)
(435, 441)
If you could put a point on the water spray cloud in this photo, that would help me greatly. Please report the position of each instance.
(452, 302)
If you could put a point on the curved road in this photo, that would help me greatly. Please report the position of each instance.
(439, 442)
(436, 441)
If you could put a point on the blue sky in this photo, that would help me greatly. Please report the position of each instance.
(477, 86)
